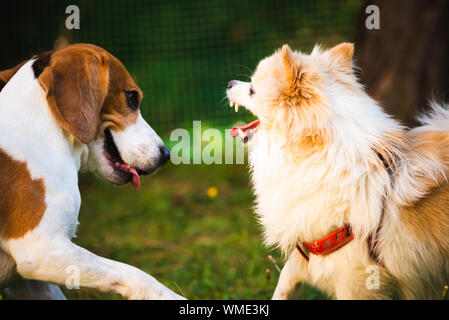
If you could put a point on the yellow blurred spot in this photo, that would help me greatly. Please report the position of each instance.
(212, 192)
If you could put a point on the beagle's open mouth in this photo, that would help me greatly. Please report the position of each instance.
(244, 132)
(117, 163)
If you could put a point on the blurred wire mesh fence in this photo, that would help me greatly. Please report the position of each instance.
(181, 53)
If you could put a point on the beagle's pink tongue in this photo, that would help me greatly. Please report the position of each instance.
(136, 178)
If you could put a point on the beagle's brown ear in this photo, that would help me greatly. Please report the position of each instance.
(6, 75)
(76, 82)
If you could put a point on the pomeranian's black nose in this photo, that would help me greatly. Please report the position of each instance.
(231, 84)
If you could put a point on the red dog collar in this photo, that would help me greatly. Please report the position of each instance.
(328, 243)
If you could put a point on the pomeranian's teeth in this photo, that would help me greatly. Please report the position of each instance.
(236, 107)
(231, 104)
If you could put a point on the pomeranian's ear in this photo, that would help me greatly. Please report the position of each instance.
(299, 83)
(344, 51)
(291, 66)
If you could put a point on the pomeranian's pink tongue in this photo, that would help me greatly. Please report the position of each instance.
(136, 178)
(237, 129)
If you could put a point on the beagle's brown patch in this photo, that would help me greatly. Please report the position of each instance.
(22, 200)
(115, 113)
(75, 83)
(85, 87)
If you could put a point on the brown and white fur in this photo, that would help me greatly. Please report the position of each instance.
(55, 112)
(324, 155)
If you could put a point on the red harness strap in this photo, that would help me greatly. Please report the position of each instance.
(328, 243)
(343, 235)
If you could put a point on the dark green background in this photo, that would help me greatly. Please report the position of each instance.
(182, 53)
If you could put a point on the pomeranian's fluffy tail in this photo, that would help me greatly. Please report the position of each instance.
(436, 118)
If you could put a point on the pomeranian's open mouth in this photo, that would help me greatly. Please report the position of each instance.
(244, 132)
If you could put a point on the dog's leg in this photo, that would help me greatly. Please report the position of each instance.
(26, 289)
(292, 274)
(58, 260)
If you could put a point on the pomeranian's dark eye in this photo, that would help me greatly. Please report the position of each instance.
(132, 99)
(251, 91)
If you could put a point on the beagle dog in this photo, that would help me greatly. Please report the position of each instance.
(73, 109)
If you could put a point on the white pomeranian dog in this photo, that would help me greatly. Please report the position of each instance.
(358, 203)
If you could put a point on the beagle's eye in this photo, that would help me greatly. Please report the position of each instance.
(132, 99)
(251, 91)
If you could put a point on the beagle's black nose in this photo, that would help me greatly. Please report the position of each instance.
(165, 154)
(231, 84)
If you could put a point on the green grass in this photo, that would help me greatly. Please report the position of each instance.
(200, 247)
